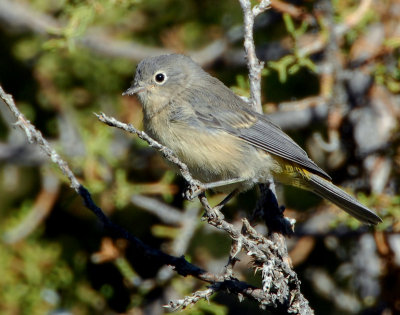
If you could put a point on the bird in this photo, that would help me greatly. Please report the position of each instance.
(222, 140)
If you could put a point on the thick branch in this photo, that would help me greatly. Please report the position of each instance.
(262, 250)
(273, 278)
(180, 264)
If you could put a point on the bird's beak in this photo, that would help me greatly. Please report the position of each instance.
(134, 89)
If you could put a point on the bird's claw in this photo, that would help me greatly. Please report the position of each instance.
(193, 190)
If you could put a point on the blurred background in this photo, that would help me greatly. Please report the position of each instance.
(331, 80)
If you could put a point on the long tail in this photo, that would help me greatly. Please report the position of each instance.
(329, 191)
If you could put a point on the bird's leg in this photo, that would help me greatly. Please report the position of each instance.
(195, 188)
(215, 212)
(226, 199)
(224, 182)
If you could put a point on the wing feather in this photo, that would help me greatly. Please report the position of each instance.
(267, 136)
(259, 131)
(230, 113)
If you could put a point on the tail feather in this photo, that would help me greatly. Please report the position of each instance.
(329, 191)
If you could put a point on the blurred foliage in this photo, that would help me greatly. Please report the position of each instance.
(291, 64)
(66, 262)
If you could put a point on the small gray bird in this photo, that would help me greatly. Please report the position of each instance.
(220, 138)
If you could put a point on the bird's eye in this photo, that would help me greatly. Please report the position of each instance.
(159, 77)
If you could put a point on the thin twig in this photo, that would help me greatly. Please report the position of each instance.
(40, 210)
(165, 212)
(180, 264)
(191, 300)
(254, 65)
(166, 152)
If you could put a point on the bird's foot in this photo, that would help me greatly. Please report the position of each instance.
(193, 190)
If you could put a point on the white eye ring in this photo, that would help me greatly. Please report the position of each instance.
(160, 78)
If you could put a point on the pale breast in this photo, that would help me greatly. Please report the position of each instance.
(213, 155)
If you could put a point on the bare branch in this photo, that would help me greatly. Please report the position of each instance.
(21, 16)
(165, 212)
(300, 114)
(281, 288)
(254, 65)
(39, 211)
(284, 288)
(279, 280)
(36, 137)
(292, 10)
(180, 264)
(191, 300)
(166, 152)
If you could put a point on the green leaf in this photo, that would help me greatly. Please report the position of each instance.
(289, 24)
